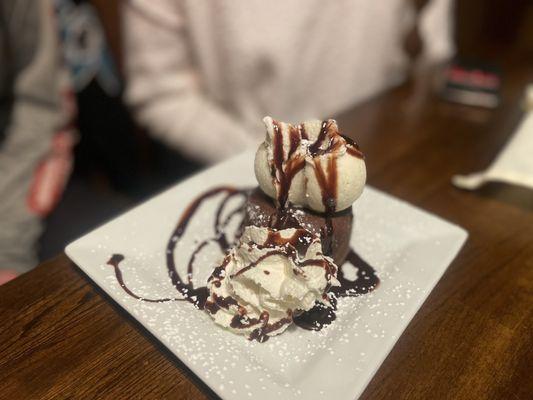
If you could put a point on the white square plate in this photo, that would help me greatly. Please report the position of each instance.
(409, 248)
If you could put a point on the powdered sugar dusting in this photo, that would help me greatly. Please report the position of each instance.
(408, 248)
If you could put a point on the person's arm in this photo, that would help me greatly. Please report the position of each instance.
(30, 87)
(436, 30)
(162, 87)
(428, 45)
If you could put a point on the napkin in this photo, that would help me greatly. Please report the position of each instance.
(514, 164)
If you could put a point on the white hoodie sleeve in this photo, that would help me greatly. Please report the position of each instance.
(163, 90)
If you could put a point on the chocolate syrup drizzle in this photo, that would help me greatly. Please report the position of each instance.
(115, 261)
(314, 319)
(283, 170)
(285, 167)
(291, 247)
(198, 296)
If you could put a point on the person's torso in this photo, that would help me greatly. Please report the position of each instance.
(295, 59)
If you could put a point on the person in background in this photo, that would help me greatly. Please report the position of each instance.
(201, 74)
(35, 137)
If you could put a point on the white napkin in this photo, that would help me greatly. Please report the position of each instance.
(513, 165)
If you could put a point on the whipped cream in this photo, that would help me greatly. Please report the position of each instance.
(268, 278)
(310, 165)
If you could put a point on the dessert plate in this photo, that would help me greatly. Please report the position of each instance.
(409, 248)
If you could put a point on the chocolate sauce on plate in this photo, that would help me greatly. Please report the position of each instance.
(318, 316)
(198, 296)
(366, 281)
(115, 261)
(283, 169)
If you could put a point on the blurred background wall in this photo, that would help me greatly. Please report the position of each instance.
(487, 29)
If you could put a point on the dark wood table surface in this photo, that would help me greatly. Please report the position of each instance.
(62, 337)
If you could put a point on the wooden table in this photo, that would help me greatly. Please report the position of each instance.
(62, 337)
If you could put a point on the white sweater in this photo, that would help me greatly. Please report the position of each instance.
(202, 73)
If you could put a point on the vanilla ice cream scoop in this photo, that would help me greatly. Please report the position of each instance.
(268, 278)
(310, 165)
